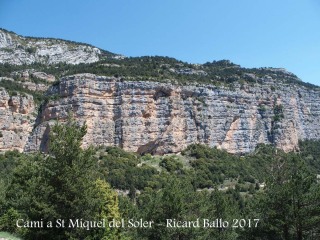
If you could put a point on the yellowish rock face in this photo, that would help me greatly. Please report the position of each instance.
(159, 118)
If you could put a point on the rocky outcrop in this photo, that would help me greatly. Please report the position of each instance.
(31, 80)
(28, 74)
(18, 50)
(144, 116)
(250, 106)
(17, 117)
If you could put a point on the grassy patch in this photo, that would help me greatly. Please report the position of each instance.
(8, 236)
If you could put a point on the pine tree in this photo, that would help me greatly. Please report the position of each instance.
(64, 185)
(290, 207)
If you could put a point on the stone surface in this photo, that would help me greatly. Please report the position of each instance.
(18, 50)
(32, 80)
(144, 116)
(17, 117)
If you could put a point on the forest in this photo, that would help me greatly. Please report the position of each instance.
(268, 194)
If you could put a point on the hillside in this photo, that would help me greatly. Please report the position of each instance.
(148, 104)
(171, 143)
(18, 50)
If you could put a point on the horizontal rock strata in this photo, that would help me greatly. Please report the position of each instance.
(143, 116)
(18, 50)
(17, 117)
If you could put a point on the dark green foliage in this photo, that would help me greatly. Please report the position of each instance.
(262, 108)
(221, 63)
(37, 80)
(278, 113)
(13, 88)
(31, 50)
(8, 162)
(61, 185)
(171, 164)
(151, 68)
(288, 207)
(222, 206)
(280, 75)
(155, 68)
(276, 207)
(213, 166)
(160, 69)
(171, 202)
(8, 50)
(310, 152)
(8, 221)
(6, 69)
(122, 171)
(178, 201)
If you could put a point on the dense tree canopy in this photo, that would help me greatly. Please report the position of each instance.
(267, 194)
(61, 185)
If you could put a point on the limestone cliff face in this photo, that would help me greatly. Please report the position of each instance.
(18, 50)
(156, 117)
(17, 116)
(258, 106)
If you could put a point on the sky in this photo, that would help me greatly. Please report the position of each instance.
(251, 33)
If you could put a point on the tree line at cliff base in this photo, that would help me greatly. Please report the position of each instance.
(268, 193)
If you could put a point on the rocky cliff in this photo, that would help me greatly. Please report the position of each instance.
(147, 104)
(156, 117)
(18, 50)
(17, 118)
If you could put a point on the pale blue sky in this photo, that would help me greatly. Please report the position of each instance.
(252, 33)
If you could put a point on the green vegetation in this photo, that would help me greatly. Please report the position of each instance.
(31, 50)
(277, 117)
(122, 170)
(162, 69)
(287, 208)
(8, 236)
(278, 113)
(262, 108)
(147, 68)
(310, 152)
(14, 88)
(280, 189)
(8, 50)
(62, 185)
(152, 68)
